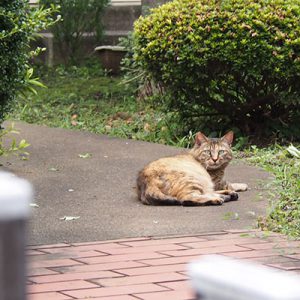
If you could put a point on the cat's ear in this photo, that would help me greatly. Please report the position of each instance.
(228, 138)
(200, 138)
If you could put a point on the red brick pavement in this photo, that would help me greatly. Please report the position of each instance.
(144, 268)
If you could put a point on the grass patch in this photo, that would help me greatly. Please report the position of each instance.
(87, 99)
(284, 193)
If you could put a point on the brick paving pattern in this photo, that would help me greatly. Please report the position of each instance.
(145, 268)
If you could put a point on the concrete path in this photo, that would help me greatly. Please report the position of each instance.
(145, 268)
(100, 189)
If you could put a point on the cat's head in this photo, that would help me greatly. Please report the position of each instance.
(213, 153)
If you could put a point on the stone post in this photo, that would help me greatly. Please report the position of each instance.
(15, 196)
(217, 277)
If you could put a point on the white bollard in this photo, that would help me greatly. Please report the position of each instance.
(217, 277)
(15, 197)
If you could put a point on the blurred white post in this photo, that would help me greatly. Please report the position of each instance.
(15, 196)
(220, 278)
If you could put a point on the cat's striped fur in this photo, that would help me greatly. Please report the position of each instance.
(195, 178)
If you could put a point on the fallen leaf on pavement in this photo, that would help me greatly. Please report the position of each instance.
(53, 169)
(69, 218)
(85, 155)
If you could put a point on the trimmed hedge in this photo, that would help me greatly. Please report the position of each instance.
(226, 63)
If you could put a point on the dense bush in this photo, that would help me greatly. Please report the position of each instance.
(18, 24)
(226, 63)
(79, 17)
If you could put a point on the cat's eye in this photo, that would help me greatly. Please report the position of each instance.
(221, 152)
(206, 151)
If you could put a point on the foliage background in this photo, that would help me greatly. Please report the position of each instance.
(79, 17)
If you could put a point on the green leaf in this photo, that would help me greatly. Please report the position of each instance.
(23, 144)
(293, 151)
(36, 82)
(85, 155)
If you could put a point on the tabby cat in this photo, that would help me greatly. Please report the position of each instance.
(195, 178)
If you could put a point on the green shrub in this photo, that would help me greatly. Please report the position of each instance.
(18, 24)
(226, 63)
(79, 17)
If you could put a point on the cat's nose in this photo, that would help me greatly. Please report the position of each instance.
(214, 156)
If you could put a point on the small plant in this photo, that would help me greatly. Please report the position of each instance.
(79, 18)
(231, 63)
(13, 147)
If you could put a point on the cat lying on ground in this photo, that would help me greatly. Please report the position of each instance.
(195, 178)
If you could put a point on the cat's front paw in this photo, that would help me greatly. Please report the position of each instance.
(239, 187)
(219, 200)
